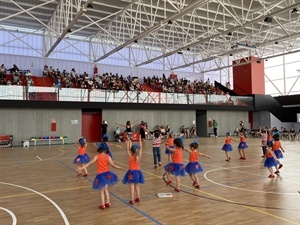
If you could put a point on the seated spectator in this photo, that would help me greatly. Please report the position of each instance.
(2, 70)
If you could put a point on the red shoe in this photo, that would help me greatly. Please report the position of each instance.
(227, 160)
(79, 174)
(85, 175)
(101, 207)
(280, 166)
(168, 182)
(137, 199)
(159, 163)
(243, 158)
(131, 202)
(107, 205)
(271, 176)
(263, 156)
(197, 186)
(176, 189)
(194, 183)
(276, 172)
(155, 166)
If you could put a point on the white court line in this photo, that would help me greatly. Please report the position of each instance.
(14, 222)
(244, 189)
(44, 196)
(38, 157)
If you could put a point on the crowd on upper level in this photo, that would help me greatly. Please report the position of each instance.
(109, 81)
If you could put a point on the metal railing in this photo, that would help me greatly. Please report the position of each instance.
(113, 96)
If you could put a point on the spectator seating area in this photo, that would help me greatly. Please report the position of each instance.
(6, 141)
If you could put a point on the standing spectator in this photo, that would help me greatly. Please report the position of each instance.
(104, 128)
(142, 130)
(215, 127)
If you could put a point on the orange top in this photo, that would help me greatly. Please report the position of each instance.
(102, 163)
(194, 156)
(177, 155)
(276, 145)
(133, 164)
(81, 150)
(242, 139)
(228, 140)
(269, 138)
(268, 154)
(170, 142)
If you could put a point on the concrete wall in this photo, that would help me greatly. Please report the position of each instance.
(26, 123)
(227, 120)
(263, 118)
(153, 117)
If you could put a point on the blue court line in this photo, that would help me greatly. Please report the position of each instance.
(117, 197)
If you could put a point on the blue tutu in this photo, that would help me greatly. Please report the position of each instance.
(227, 147)
(103, 179)
(82, 159)
(242, 145)
(193, 168)
(270, 162)
(134, 176)
(167, 151)
(176, 169)
(278, 154)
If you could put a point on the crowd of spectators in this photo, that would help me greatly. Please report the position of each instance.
(183, 85)
(284, 133)
(109, 81)
(18, 77)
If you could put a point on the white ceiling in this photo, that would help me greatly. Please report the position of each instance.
(203, 28)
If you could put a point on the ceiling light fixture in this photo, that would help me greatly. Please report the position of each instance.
(294, 10)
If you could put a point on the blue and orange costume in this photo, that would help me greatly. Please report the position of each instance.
(242, 144)
(176, 167)
(104, 176)
(134, 174)
(270, 161)
(193, 166)
(82, 157)
(170, 143)
(227, 146)
(276, 148)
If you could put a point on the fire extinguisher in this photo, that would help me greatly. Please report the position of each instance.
(209, 122)
(95, 70)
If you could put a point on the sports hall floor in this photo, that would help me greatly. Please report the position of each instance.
(38, 185)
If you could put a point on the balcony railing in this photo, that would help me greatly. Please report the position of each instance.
(99, 95)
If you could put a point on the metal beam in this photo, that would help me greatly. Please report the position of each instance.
(154, 28)
(259, 19)
(70, 25)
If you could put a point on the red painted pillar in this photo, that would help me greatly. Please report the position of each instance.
(249, 78)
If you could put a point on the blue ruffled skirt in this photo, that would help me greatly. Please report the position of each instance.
(193, 168)
(134, 176)
(227, 147)
(270, 162)
(106, 178)
(278, 154)
(242, 145)
(82, 159)
(176, 169)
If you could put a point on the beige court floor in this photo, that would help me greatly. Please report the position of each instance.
(38, 185)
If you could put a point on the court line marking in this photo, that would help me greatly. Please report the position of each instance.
(44, 196)
(38, 157)
(14, 218)
(119, 198)
(243, 189)
(227, 200)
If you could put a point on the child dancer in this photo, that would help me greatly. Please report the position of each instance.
(270, 161)
(227, 147)
(82, 157)
(193, 166)
(105, 140)
(277, 149)
(104, 177)
(176, 167)
(242, 145)
(156, 142)
(134, 175)
(170, 144)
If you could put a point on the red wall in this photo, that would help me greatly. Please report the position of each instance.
(91, 126)
(249, 78)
